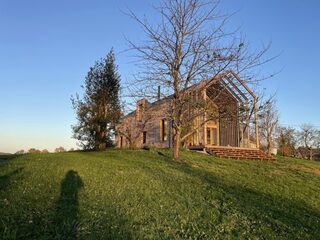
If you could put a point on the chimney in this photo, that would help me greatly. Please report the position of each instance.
(159, 93)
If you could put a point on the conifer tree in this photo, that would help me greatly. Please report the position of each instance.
(99, 109)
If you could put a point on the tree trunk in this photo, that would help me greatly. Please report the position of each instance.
(96, 144)
(256, 122)
(310, 154)
(176, 145)
(269, 144)
(102, 140)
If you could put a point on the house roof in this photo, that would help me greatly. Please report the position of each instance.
(230, 81)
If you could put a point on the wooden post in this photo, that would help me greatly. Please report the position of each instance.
(242, 136)
(248, 125)
(204, 119)
(256, 122)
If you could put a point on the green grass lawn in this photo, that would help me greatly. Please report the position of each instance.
(144, 195)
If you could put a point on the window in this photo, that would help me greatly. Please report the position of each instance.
(164, 130)
(214, 136)
(144, 137)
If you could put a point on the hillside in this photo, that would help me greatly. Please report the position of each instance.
(2, 153)
(142, 194)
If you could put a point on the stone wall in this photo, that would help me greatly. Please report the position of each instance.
(131, 127)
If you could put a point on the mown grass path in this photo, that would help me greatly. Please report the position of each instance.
(144, 195)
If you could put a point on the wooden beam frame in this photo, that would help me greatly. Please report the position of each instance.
(255, 100)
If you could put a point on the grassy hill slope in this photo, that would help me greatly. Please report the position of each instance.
(2, 153)
(143, 194)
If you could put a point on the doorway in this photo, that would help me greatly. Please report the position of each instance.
(212, 135)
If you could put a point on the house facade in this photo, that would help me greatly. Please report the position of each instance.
(223, 118)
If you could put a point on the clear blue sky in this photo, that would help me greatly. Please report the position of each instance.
(46, 48)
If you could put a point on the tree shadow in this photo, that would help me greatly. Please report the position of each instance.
(67, 207)
(5, 180)
(6, 158)
(290, 218)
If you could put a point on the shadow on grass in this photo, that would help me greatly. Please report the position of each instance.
(284, 217)
(254, 210)
(67, 207)
(5, 180)
(107, 224)
(5, 158)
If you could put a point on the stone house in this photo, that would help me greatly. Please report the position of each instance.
(224, 121)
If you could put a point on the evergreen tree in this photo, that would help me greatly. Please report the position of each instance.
(99, 110)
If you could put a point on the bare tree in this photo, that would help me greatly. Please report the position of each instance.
(317, 141)
(269, 119)
(188, 45)
(308, 136)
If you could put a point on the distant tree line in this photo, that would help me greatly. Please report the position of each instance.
(301, 142)
(37, 151)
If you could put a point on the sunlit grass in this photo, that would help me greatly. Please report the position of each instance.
(143, 194)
